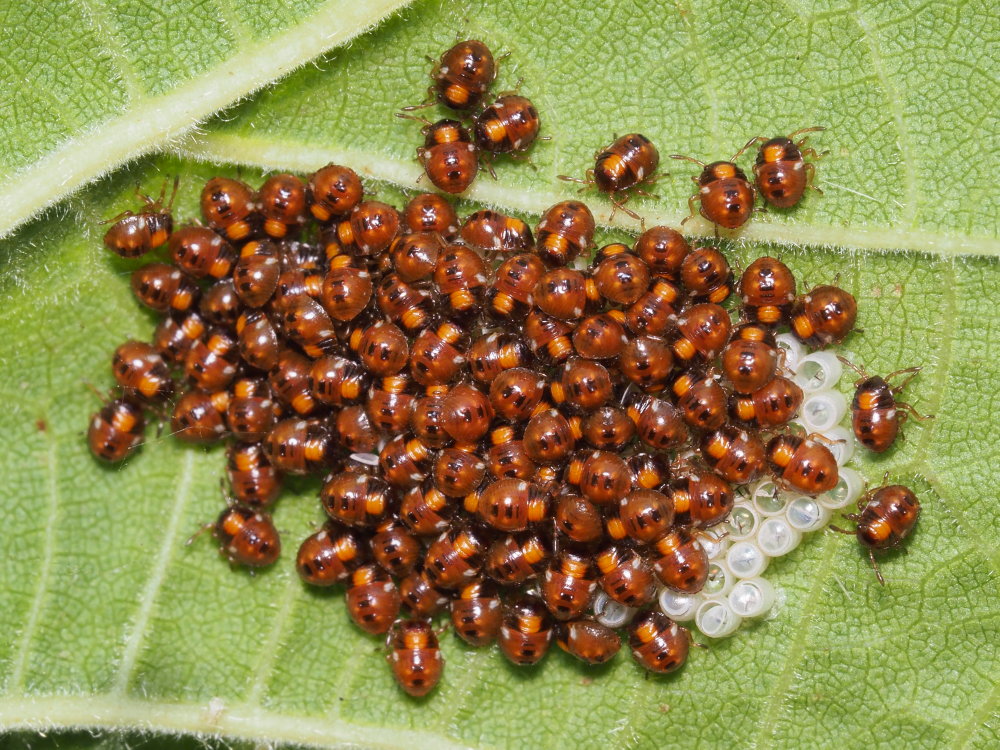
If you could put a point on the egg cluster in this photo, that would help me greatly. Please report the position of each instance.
(767, 520)
(539, 447)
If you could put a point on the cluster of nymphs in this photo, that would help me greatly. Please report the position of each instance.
(502, 442)
(548, 449)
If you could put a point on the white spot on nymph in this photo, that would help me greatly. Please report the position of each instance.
(321, 536)
(505, 631)
(437, 656)
(363, 274)
(891, 414)
(388, 586)
(443, 70)
(641, 172)
(300, 425)
(494, 604)
(95, 422)
(471, 147)
(216, 241)
(395, 656)
(799, 166)
(704, 190)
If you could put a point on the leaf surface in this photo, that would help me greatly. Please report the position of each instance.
(85, 86)
(903, 88)
(115, 623)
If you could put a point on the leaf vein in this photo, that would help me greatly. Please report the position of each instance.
(115, 712)
(281, 155)
(345, 680)
(147, 599)
(469, 679)
(964, 731)
(893, 99)
(229, 16)
(711, 90)
(944, 360)
(16, 681)
(990, 550)
(772, 704)
(108, 31)
(269, 648)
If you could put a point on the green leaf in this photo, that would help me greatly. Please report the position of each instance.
(901, 87)
(114, 623)
(85, 86)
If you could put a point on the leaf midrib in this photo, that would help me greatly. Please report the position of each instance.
(111, 711)
(149, 122)
(272, 155)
